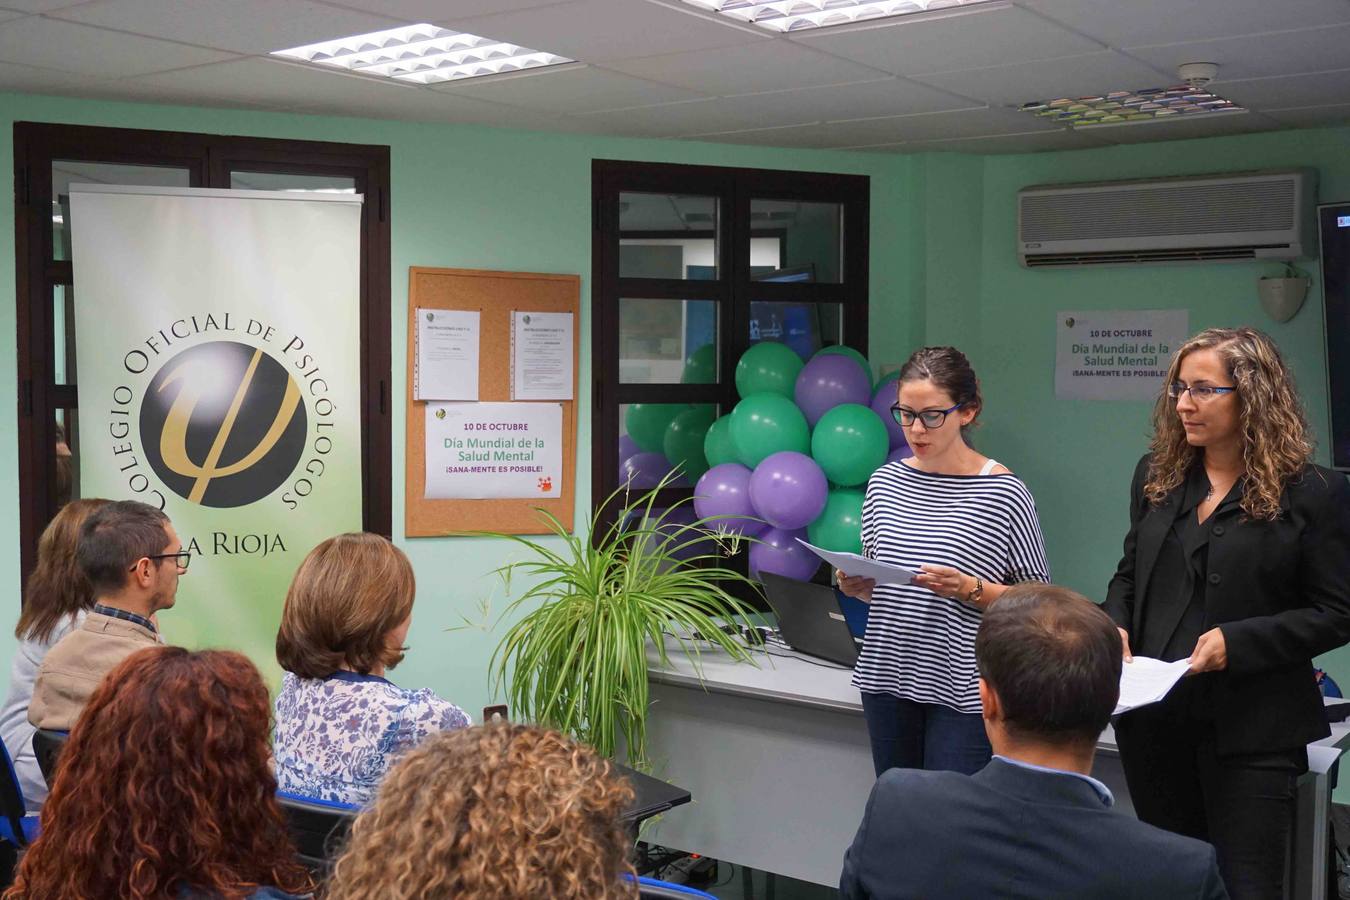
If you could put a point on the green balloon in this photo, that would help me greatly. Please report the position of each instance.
(718, 446)
(683, 444)
(888, 378)
(851, 353)
(647, 423)
(849, 443)
(701, 366)
(764, 424)
(768, 368)
(839, 525)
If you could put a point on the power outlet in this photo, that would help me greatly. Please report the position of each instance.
(494, 713)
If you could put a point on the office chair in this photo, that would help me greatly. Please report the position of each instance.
(652, 889)
(47, 746)
(17, 828)
(319, 828)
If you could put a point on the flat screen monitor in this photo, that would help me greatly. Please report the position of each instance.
(1334, 224)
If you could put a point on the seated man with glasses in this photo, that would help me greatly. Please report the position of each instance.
(132, 558)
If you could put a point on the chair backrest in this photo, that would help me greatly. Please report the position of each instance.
(47, 746)
(318, 827)
(12, 806)
(652, 889)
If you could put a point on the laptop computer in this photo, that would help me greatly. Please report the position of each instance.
(809, 619)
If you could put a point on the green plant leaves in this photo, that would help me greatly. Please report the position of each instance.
(577, 659)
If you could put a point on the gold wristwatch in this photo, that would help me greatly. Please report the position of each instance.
(977, 592)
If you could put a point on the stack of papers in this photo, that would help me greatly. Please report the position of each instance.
(853, 564)
(1147, 680)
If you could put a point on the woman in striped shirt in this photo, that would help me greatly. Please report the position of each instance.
(968, 526)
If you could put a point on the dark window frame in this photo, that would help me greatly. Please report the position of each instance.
(209, 160)
(733, 290)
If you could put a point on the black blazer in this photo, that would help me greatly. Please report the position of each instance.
(1279, 591)
(1010, 832)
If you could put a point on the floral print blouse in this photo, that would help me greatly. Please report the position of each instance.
(337, 736)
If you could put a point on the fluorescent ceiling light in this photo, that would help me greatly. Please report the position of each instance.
(423, 54)
(1132, 107)
(799, 15)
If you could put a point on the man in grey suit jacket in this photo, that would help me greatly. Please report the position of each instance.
(1033, 823)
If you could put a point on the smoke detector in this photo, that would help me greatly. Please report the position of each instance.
(1197, 75)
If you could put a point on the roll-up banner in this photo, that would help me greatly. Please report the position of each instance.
(217, 347)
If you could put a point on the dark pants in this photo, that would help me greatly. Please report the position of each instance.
(909, 735)
(1243, 805)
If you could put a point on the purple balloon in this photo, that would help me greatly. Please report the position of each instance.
(778, 552)
(828, 380)
(788, 489)
(882, 401)
(899, 453)
(645, 470)
(724, 490)
(627, 446)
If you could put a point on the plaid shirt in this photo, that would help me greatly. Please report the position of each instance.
(116, 613)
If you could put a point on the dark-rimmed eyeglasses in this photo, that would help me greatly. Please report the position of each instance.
(931, 418)
(182, 557)
(1199, 392)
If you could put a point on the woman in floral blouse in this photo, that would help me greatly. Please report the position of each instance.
(340, 723)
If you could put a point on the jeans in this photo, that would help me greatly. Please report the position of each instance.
(1243, 805)
(910, 735)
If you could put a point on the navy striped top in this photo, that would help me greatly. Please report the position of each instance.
(920, 646)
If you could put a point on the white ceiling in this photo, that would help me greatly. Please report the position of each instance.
(660, 68)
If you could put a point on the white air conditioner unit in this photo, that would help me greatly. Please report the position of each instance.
(1207, 218)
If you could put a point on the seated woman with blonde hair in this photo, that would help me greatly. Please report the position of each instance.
(340, 722)
(165, 790)
(497, 812)
(56, 600)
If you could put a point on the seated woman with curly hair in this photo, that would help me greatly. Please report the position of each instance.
(340, 722)
(165, 790)
(497, 812)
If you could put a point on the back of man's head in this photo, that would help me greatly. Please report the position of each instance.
(114, 538)
(1053, 659)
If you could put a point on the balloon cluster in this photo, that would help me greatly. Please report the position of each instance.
(789, 461)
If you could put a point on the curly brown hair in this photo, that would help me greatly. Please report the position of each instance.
(500, 811)
(57, 588)
(1275, 444)
(165, 784)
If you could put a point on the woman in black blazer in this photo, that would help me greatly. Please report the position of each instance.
(1238, 557)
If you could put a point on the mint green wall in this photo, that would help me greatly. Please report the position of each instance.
(463, 197)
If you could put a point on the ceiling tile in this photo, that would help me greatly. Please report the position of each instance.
(767, 66)
(437, 12)
(1032, 142)
(240, 26)
(39, 6)
(1148, 22)
(30, 78)
(1186, 129)
(1319, 89)
(976, 37)
(602, 30)
(887, 97)
(892, 129)
(568, 90)
(1074, 76)
(690, 117)
(259, 80)
(1261, 55)
(1312, 116)
(93, 51)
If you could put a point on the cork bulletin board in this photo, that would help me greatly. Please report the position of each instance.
(495, 295)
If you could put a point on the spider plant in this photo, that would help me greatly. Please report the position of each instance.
(577, 659)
